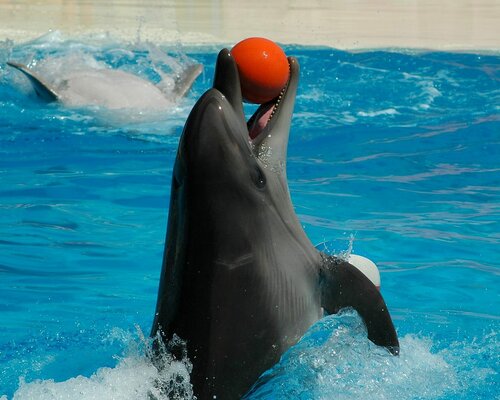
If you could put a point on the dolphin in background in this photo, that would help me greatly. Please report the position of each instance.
(240, 281)
(110, 88)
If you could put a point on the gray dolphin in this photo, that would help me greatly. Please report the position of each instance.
(111, 88)
(241, 282)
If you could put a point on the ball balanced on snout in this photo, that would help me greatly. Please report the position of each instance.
(263, 69)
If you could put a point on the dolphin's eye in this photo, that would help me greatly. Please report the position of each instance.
(258, 177)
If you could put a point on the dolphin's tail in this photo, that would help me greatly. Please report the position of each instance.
(343, 286)
(41, 88)
(186, 78)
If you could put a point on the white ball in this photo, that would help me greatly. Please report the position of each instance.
(367, 267)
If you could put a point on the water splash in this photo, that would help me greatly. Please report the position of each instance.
(56, 59)
(339, 248)
(135, 376)
(335, 360)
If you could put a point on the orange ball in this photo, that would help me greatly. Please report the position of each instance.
(263, 69)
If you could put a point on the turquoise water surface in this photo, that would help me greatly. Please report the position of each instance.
(395, 155)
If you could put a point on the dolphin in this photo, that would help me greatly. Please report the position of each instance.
(110, 88)
(240, 280)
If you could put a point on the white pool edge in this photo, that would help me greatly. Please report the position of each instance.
(423, 25)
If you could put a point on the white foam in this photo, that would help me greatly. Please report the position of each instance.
(371, 114)
(135, 377)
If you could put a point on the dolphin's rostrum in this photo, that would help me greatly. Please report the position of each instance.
(241, 282)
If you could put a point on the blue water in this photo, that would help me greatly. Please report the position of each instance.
(394, 154)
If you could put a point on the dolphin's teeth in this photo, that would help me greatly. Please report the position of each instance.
(276, 105)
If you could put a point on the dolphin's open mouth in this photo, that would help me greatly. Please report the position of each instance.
(266, 132)
(264, 114)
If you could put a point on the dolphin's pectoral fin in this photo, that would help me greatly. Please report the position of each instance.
(40, 87)
(343, 286)
(186, 78)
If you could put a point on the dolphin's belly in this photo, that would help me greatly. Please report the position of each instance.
(268, 313)
(111, 89)
(249, 317)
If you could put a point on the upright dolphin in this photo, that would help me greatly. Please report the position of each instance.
(110, 88)
(241, 282)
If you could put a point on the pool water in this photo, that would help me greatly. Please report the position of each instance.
(395, 155)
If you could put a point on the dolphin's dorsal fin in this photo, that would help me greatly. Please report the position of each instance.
(185, 79)
(344, 286)
(40, 87)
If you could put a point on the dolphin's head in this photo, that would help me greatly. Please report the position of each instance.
(223, 158)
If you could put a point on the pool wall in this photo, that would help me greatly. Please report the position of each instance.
(456, 25)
